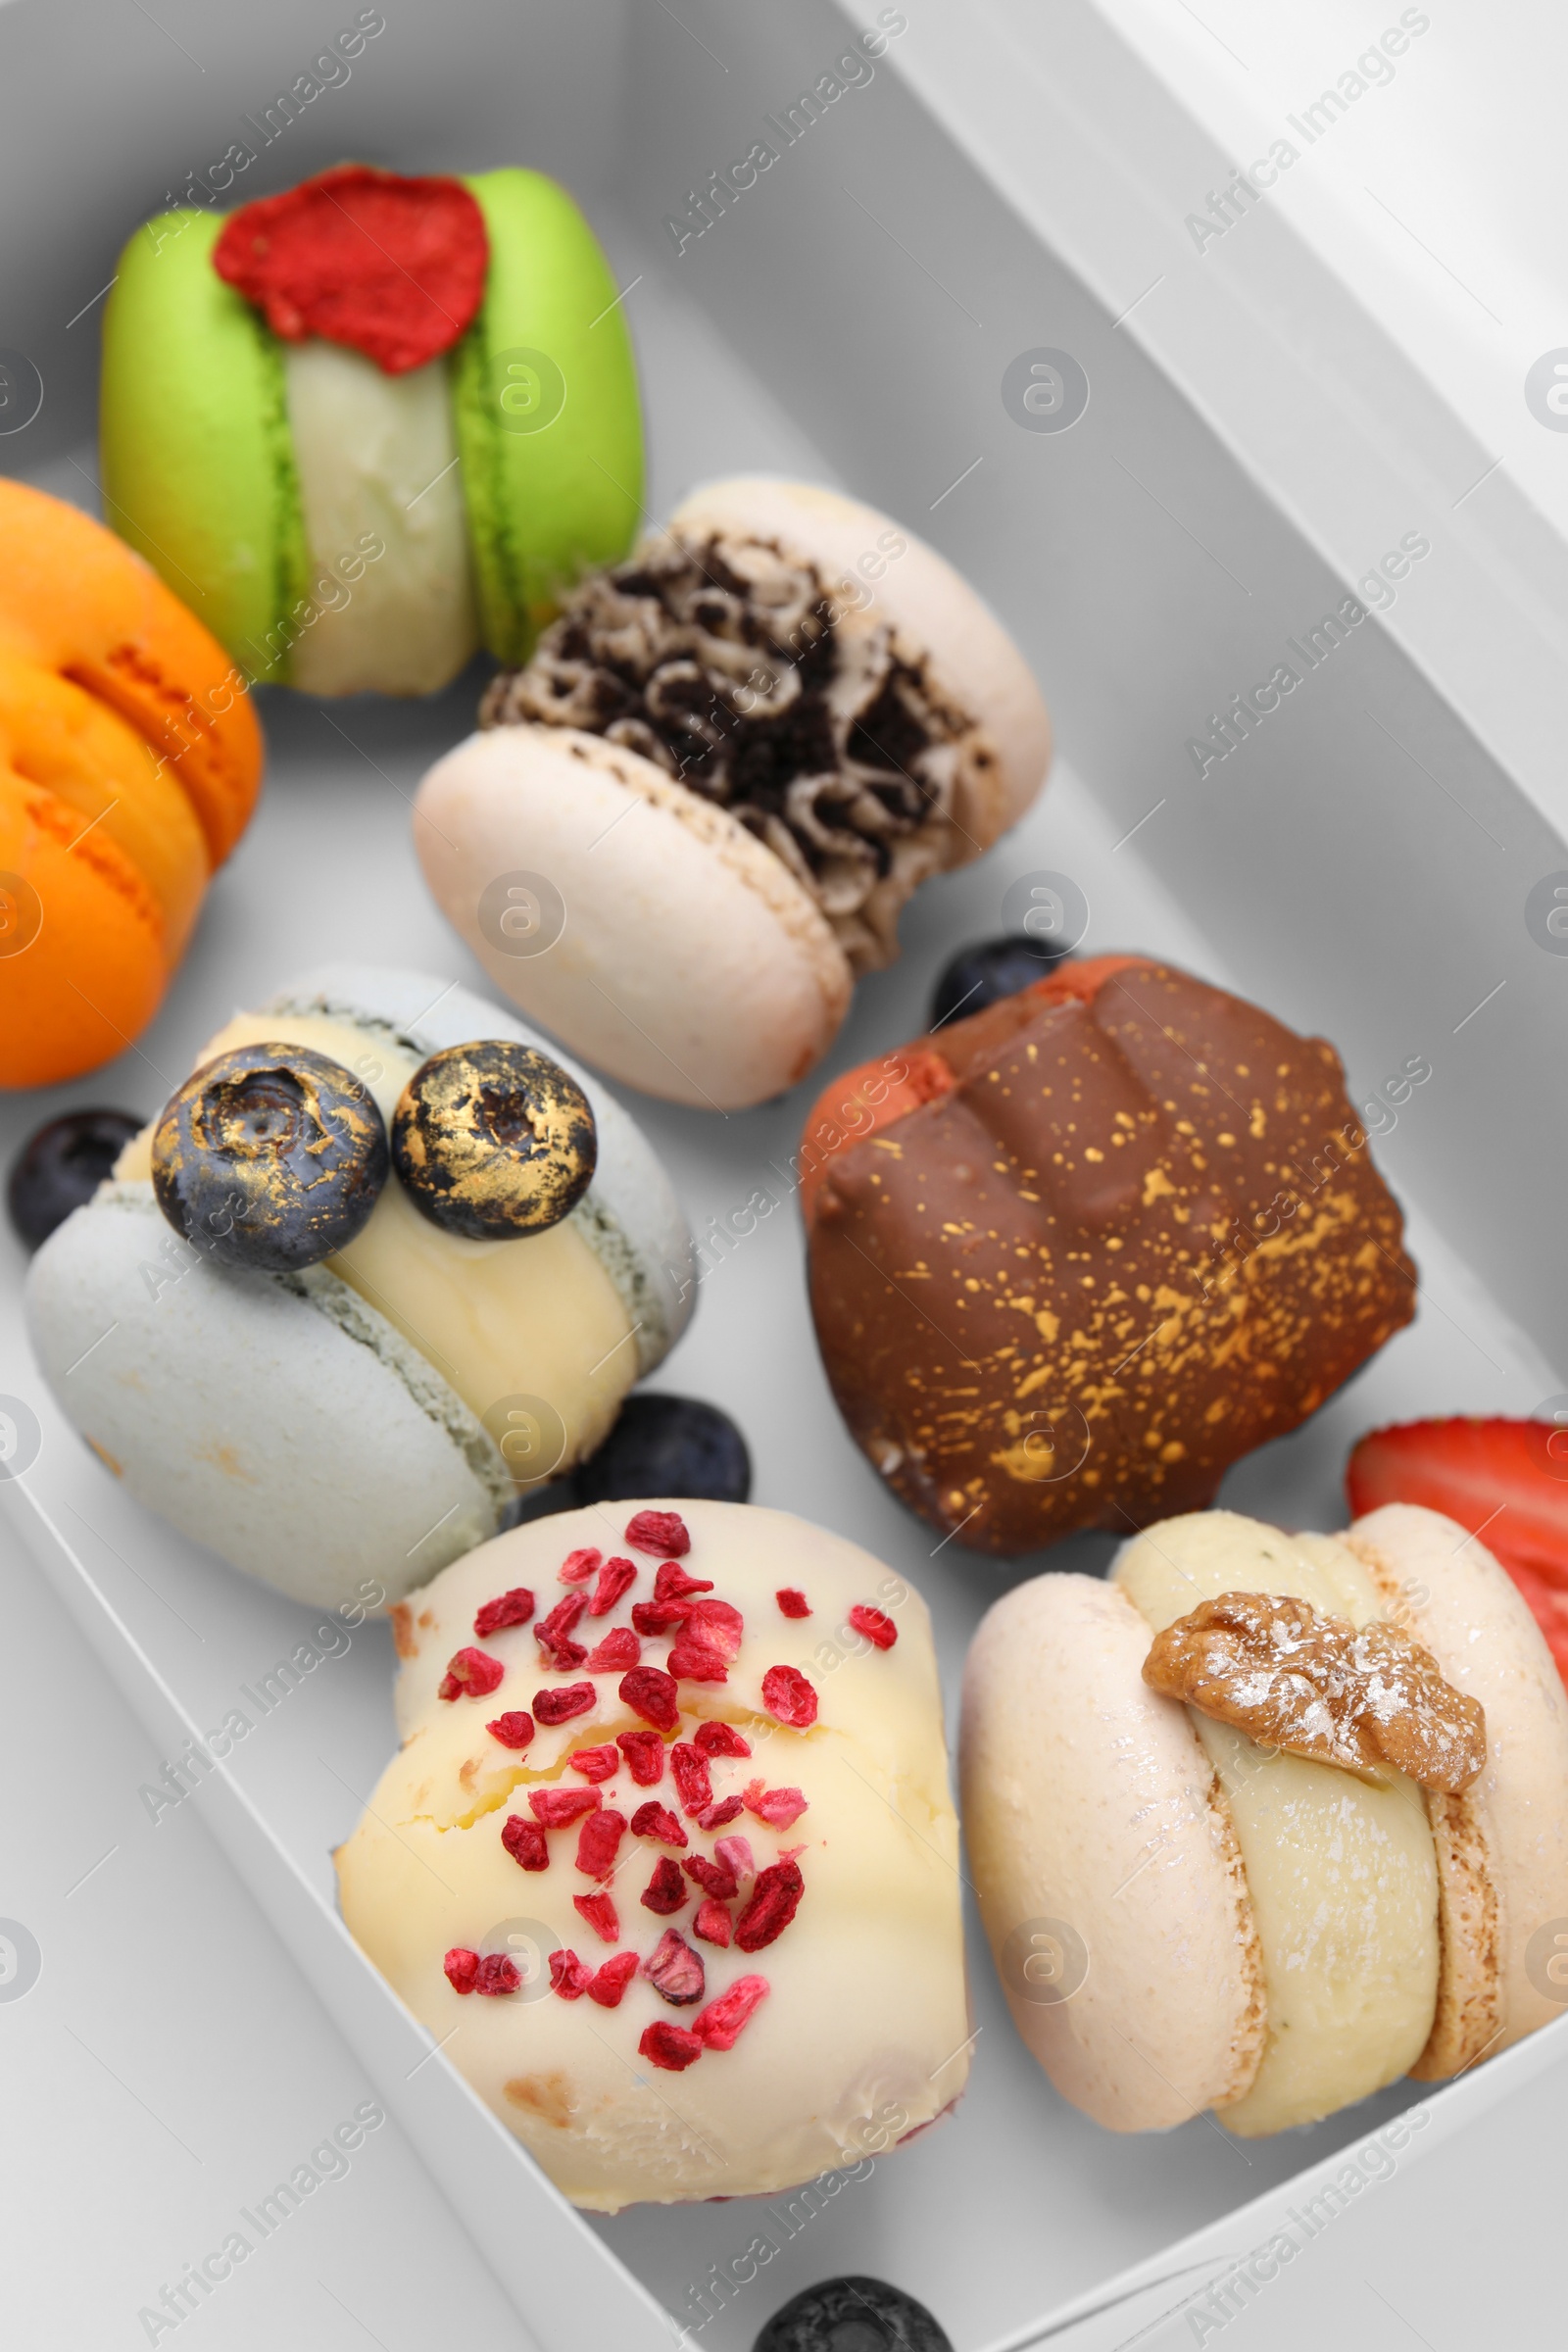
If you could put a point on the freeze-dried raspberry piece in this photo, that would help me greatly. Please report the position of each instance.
(718, 2026)
(525, 1842)
(658, 1821)
(558, 1808)
(788, 1697)
(736, 1855)
(666, 1890)
(672, 1582)
(554, 1633)
(653, 1694)
(875, 1624)
(598, 1842)
(716, 1625)
(668, 2046)
(559, 1702)
(780, 1808)
(660, 1532)
(600, 1913)
(507, 1608)
(655, 1617)
(463, 1969)
(675, 1971)
(613, 1977)
(690, 1767)
(619, 1648)
(513, 1729)
(720, 1815)
(792, 1601)
(578, 1566)
(497, 1974)
(568, 1976)
(720, 1740)
(714, 1878)
(773, 1904)
(713, 1924)
(596, 1763)
(615, 1577)
(470, 1674)
(694, 1662)
(644, 1752)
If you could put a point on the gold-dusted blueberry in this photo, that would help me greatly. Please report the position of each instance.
(494, 1141)
(269, 1157)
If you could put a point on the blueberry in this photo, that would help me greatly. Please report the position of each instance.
(494, 1141)
(674, 1445)
(993, 968)
(269, 1157)
(852, 2314)
(61, 1167)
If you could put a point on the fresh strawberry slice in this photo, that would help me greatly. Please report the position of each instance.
(1507, 1482)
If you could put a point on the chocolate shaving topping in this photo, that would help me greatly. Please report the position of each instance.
(730, 667)
(1292, 1679)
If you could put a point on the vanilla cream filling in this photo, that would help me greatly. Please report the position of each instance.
(1342, 1873)
(376, 458)
(507, 1324)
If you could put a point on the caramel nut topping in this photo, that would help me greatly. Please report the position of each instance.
(1312, 1685)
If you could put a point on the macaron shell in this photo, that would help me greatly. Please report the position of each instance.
(691, 964)
(1096, 1835)
(196, 451)
(1511, 1826)
(971, 656)
(94, 973)
(284, 1423)
(80, 603)
(544, 504)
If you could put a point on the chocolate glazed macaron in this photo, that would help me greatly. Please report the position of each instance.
(382, 1266)
(693, 819)
(1073, 1257)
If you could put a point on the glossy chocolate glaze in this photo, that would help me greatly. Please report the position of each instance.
(1139, 1238)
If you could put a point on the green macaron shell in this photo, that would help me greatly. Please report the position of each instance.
(546, 408)
(197, 456)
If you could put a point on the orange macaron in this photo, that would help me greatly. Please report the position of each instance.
(130, 763)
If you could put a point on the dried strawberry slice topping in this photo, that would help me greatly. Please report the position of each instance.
(525, 1842)
(552, 1633)
(613, 1977)
(690, 1767)
(675, 1971)
(596, 1763)
(615, 1579)
(658, 1532)
(718, 1817)
(718, 2027)
(653, 1694)
(774, 1902)
(619, 1648)
(497, 1974)
(668, 2046)
(513, 1729)
(780, 1808)
(666, 1890)
(558, 1808)
(736, 1855)
(792, 1601)
(655, 1617)
(644, 1752)
(471, 1674)
(578, 1566)
(694, 1662)
(658, 1821)
(713, 1877)
(672, 1582)
(568, 1976)
(875, 1624)
(713, 1924)
(598, 1843)
(788, 1697)
(562, 1700)
(390, 266)
(600, 1913)
(463, 1969)
(720, 1740)
(507, 1608)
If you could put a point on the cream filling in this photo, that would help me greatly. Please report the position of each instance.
(376, 458)
(1342, 1875)
(508, 1325)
